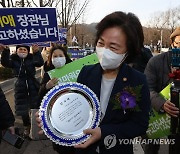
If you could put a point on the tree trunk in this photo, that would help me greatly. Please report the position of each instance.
(62, 13)
(22, 3)
(41, 3)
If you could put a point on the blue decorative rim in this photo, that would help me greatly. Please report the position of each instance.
(62, 140)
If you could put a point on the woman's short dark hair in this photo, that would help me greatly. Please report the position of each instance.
(130, 25)
(49, 61)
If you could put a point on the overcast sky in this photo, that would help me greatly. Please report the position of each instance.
(144, 9)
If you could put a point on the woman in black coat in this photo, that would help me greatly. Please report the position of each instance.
(47, 83)
(57, 58)
(26, 89)
(6, 115)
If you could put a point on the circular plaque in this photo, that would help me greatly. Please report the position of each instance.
(67, 110)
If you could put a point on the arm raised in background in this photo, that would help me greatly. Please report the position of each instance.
(37, 57)
(5, 56)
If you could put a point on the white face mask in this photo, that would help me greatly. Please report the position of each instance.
(58, 61)
(108, 59)
(22, 55)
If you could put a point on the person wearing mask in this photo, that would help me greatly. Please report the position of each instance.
(24, 64)
(117, 43)
(6, 115)
(57, 58)
(157, 73)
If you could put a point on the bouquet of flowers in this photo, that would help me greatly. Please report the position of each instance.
(175, 74)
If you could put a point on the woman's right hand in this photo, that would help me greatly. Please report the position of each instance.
(38, 120)
(171, 109)
(51, 83)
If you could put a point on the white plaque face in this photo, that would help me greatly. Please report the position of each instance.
(71, 114)
(66, 111)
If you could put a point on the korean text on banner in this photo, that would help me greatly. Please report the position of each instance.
(28, 25)
(70, 72)
(159, 123)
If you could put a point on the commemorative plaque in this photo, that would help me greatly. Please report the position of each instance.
(67, 110)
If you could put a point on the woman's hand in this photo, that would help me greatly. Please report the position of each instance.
(11, 129)
(51, 83)
(38, 120)
(95, 136)
(171, 109)
(35, 48)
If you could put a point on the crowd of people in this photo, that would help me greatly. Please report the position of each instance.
(122, 64)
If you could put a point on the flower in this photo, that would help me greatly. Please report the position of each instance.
(127, 99)
(175, 75)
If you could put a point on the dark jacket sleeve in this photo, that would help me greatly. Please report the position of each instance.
(43, 90)
(5, 58)
(37, 59)
(146, 53)
(151, 74)
(6, 115)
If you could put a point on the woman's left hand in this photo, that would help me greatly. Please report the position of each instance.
(95, 136)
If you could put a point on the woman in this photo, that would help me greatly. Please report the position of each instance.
(119, 39)
(57, 58)
(24, 64)
(122, 91)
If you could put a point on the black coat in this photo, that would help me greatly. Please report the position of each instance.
(26, 86)
(142, 59)
(46, 78)
(6, 115)
(115, 122)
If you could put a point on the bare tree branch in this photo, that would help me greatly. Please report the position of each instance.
(3, 3)
(34, 3)
(79, 13)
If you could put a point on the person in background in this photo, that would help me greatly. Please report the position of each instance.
(117, 43)
(57, 58)
(45, 54)
(140, 62)
(6, 115)
(24, 64)
(157, 73)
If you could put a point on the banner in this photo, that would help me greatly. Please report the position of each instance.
(62, 36)
(159, 123)
(76, 53)
(70, 72)
(28, 25)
